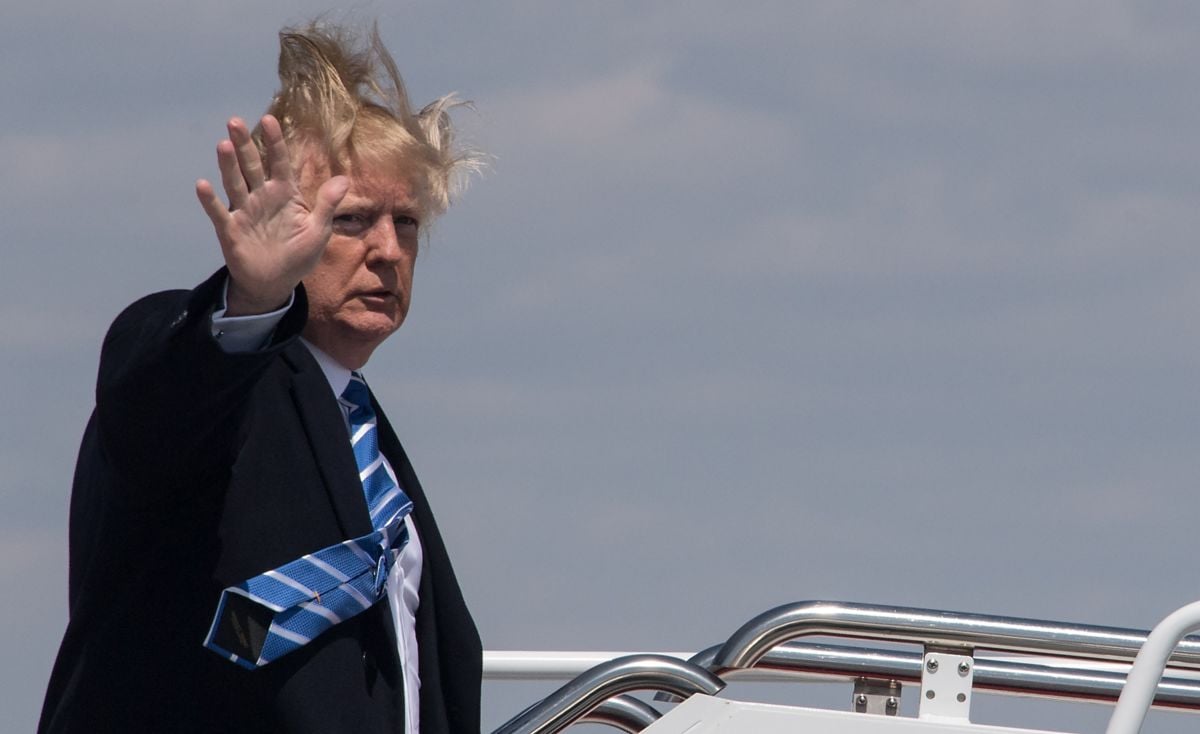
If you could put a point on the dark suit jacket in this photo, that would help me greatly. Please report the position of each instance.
(201, 469)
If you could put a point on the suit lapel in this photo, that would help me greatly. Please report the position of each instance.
(450, 696)
(391, 448)
(426, 531)
(445, 632)
(322, 418)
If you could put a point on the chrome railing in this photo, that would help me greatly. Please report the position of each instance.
(626, 713)
(1072, 662)
(582, 695)
(935, 628)
(1162, 645)
(1054, 678)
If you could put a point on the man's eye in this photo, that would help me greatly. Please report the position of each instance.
(403, 221)
(348, 223)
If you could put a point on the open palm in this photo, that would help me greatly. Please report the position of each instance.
(270, 236)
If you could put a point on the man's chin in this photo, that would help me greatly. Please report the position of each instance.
(373, 325)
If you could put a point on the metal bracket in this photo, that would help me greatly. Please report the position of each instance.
(946, 680)
(876, 696)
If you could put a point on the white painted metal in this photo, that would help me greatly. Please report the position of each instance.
(566, 664)
(549, 665)
(946, 687)
(1148, 669)
(702, 714)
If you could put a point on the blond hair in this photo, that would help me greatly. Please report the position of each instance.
(344, 97)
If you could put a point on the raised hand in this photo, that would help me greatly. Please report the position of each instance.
(270, 235)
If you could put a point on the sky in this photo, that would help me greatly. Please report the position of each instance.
(878, 302)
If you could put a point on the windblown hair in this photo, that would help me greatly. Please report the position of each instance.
(343, 97)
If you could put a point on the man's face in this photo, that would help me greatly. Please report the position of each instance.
(359, 292)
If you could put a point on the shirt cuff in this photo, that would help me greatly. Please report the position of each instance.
(236, 334)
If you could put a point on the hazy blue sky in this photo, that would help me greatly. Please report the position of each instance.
(887, 302)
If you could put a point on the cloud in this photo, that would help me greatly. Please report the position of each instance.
(988, 34)
(651, 132)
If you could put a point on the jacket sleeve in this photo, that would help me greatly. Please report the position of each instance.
(168, 396)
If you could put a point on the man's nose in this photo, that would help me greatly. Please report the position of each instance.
(382, 242)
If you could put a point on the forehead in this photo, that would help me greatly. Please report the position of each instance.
(368, 183)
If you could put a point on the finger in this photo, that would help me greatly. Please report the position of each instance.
(328, 197)
(279, 160)
(247, 154)
(217, 213)
(231, 175)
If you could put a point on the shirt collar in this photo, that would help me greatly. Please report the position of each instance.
(337, 375)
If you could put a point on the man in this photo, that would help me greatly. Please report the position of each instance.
(226, 451)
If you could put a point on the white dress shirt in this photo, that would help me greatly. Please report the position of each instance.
(249, 333)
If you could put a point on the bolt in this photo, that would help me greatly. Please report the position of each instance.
(892, 702)
(961, 697)
(931, 665)
(861, 700)
(964, 667)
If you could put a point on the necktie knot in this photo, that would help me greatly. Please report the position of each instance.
(356, 392)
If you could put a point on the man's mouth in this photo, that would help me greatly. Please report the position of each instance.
(378, 294)
(379, 299)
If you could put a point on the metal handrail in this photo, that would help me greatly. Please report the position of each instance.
(842, 662)
(622, 675)
(760, 635)
(1147, 671)
(626, 713)
(563, 665)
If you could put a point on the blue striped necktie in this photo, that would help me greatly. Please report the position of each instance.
(274, 613)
